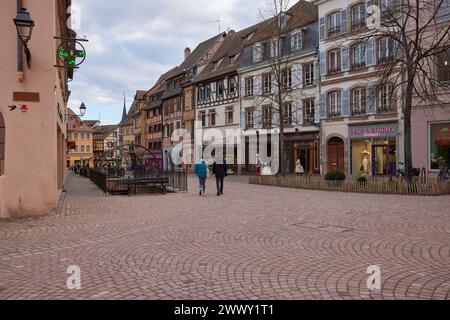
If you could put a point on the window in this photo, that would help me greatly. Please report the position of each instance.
(232, 86)
(287, 114)
(386, 49)
(249, 87)
(2, 145)
(439, 145)
(267, 116)
(219, 89)
(443, 66)
(308, 74)
(334, 104)
(83, 136)
(234, 58)
(88, 149)
(358, 16)
(82, 149)
(258, 53)
(212, 118)
(334, 61)
(297, 41)
(267, 83)
(166, 131)
(274, 48)
(187, 100)
(334, 24)
(443, 13)
(308, 111)
(359, 56)
(287, 78)
(386, 98)
(358, 101)
(69, 135)
(207, 91)
(203, 118)
(230, 115)
(249, 118)
(201, 93)
(387, 9)
(76, 135)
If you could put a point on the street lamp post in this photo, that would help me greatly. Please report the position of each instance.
(82, 113)
(24, 27)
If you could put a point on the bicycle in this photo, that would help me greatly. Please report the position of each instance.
(444, 173)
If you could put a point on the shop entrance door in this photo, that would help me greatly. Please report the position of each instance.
(380, 160)
(336, 155)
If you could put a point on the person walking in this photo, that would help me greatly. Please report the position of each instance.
(220, 171)
(201, 171)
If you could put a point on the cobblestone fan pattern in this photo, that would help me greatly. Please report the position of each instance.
(255, 242)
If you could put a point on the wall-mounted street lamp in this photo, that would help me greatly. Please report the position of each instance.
(82, 113)
(24, 27)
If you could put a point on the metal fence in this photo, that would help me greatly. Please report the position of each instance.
(119, 181)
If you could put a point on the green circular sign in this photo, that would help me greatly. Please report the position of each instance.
(71, 53)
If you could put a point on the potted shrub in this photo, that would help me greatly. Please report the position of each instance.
(335, 176)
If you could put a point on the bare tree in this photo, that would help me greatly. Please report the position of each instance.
(414, 36)
(281, 84)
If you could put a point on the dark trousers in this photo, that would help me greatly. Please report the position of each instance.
(219, 184)
(202, 183)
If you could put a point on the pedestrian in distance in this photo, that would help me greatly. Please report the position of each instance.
(220, 171)
(201, 168)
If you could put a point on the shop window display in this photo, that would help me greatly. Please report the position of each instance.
(439, 145)
(374, 157)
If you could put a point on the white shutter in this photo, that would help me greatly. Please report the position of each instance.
(297, 76)
(257, 85)
(298, 109)
(317, 110)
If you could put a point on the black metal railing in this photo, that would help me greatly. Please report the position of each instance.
(119, 181)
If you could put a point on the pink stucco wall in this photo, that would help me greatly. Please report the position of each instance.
(30, 184)
(421, 118)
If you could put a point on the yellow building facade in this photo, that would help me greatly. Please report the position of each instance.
(80, 146)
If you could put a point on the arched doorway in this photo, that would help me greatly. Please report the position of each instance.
(2, 145)
(336, 154)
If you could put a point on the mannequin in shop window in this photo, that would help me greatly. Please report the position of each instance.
(365, 163)
(299, 169)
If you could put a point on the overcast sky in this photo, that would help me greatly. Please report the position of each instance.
(132, 42)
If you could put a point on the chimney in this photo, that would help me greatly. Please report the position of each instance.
(187, 53)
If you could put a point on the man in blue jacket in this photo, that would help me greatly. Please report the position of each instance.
(220, 170)
(200, 170)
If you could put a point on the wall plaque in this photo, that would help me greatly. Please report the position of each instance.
(26, 96)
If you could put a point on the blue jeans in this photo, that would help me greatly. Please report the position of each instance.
(202, 182)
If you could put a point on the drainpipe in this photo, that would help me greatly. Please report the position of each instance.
(19, 50)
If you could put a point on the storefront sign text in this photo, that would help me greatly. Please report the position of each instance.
(373, 131)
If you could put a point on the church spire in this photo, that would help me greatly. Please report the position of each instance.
(124, 114)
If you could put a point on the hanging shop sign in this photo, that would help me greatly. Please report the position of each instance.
(71, 52)
(374, 131)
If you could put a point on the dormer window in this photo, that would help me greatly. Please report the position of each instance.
(258, 52)
(283, 20)
(274, 48)
(297, 41)
(249, 37)
(217, 64)
(234, 58)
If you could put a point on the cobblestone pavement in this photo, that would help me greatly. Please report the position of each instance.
(255, 242)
